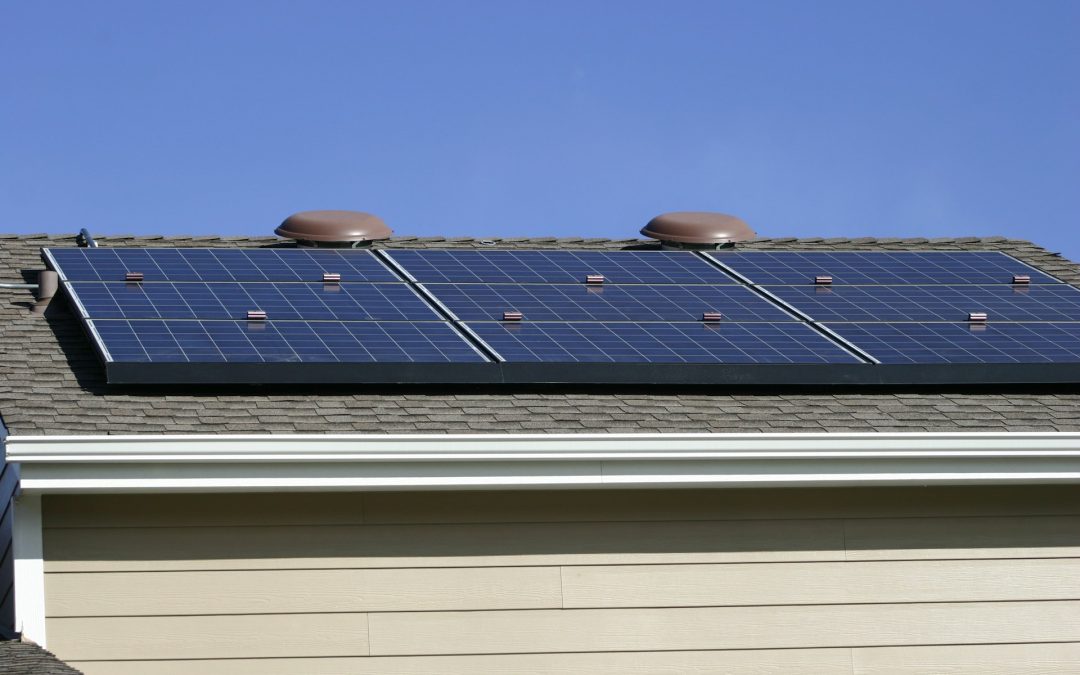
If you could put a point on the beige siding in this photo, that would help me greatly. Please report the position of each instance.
(766, 581)
(775, 627)
(207, 637)
(278, 591)
(755, 662)
(820, 583)
(963, 538)
(1014, 659)
(450, 545)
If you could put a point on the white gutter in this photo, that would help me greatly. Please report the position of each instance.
(197, 463)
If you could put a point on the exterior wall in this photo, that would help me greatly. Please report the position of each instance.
(930, 580)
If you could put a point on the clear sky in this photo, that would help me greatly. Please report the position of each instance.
(806, 118)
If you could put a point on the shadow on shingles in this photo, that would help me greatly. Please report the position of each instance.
(75, 345)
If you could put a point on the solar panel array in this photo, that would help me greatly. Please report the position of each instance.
(284, 341)
(1003, 302)
(219, 264)
(579, 302)
(945, 343)
(341, 315)
(556, 267)
(231, 300)
(879, 267)
(647, 307)
(730, 343)
(192, 306)
(934, 307)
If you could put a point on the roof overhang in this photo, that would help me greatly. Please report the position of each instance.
(230, 463)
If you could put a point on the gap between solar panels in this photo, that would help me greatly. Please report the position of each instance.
(276, 316)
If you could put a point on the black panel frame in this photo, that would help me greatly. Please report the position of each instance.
(290, 373)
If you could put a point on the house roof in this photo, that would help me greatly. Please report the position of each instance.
(27, 658)
(53, 383)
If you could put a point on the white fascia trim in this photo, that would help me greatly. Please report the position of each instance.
(29, 569)
(149, 463)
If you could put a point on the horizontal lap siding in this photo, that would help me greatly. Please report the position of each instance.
(755, 662)
(561, 582)
(570, 587)
(1015, 659)
(820, 583)
(776, 627)
(271, 591)
(450, 545)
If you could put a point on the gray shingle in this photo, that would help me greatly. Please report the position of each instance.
(26, 658)
(53, 383)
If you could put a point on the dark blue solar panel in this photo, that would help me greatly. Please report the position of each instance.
(1058, 302)
(660, 343)
(219, 264)
(879, 267)
(617, 267)
(577, 302)
(965, 343)
(283, 341)
(282, 301)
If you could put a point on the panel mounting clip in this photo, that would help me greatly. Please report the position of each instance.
(512, 315)
(822, 280)
(1021, 279)
(331, 277)
(133, 276)
(256, 315)
(711, 317)
(594, 279)
(977, 317)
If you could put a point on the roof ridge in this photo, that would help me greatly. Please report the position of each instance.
(533, 239)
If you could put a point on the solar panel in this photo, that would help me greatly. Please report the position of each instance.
(617, 267)
(578, 302)
(879, 267)
(230, 300)
(958, 343)
(729, 343)
(330, 315)
(218, 264)
(1058, 302)
(283, 341)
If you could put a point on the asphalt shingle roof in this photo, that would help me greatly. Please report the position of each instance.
(27, 658)
(52, 383)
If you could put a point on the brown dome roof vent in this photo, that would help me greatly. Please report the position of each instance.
(334, 229)
(697, 229)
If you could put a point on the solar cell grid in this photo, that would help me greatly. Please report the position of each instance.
(900, 307)
(879, 267)
(590, 342)
(1058, 302)
(219, 264)
(283, 341)
(944, 343)
(617, 267)
(570, 302)
(281, 301)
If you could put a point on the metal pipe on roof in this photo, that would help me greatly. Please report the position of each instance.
(48, 282)
(85, 240)
(47, 285)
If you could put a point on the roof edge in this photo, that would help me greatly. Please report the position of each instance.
(201, 463)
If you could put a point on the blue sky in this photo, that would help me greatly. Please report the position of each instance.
(510, 118)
